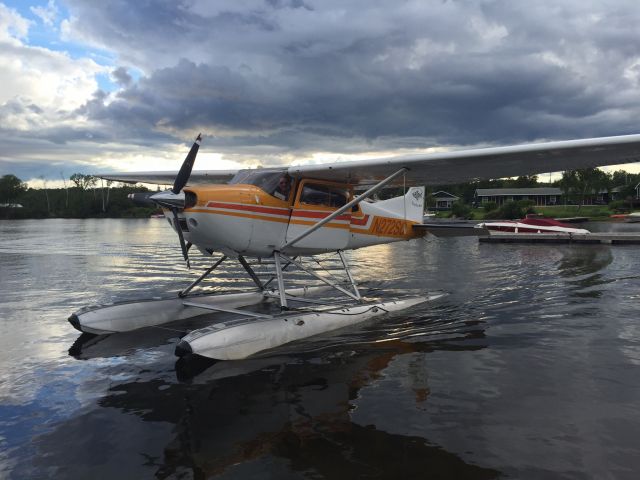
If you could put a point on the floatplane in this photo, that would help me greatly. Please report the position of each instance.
(282, 218)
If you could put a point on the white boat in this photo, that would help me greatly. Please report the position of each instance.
(531, 224)
(633, 217)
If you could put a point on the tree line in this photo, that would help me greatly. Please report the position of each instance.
(576, 185)
(86, 196)
(83, 196)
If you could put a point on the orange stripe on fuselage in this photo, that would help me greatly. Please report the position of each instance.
(319, 215)
(233, 200)
(326, 225)
(240, 215)
(250, 208)
(242, 211)
(359, 221)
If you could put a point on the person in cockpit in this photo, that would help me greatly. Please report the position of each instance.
(283, 188)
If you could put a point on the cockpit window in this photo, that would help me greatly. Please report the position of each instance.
(269, 180)
(314, 194)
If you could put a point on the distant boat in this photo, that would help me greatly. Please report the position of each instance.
(531, 224)
(157, 215)
(633, 217)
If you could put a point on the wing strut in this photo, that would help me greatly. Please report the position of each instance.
(346, 207)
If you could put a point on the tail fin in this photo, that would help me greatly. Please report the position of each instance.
(410, 207)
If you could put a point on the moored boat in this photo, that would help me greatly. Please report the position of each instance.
(531, 224)
(633, 217)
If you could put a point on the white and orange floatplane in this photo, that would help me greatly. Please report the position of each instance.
(280, 218)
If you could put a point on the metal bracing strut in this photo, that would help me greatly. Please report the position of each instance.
(184, 292)
(319, 277)
(216, 308)
(279, 276)
(346, 269)
(273, 277)
(251, 273)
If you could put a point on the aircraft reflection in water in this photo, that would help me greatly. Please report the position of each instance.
(293, 408)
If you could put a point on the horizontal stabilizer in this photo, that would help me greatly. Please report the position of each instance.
(452, 229)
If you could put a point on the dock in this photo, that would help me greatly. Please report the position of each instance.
(606, 238)
(573, 219)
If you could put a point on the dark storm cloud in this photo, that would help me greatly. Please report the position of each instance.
(280, 76)
(121, 76)
(273, 80)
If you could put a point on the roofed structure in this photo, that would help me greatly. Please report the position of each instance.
(444, 200)
(539, 195)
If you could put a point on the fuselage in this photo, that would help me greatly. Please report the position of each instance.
(244, 219)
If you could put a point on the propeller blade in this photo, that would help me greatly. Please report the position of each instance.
(183, 246)
(185, 170)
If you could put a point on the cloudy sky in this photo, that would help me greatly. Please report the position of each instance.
(120, 85)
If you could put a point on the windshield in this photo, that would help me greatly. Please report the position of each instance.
(266, 179)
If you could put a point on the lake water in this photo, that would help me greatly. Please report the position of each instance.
(528, 368)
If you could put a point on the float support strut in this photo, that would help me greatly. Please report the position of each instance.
(346, 269)
(184, 292)
(250, 271)
(279, 276)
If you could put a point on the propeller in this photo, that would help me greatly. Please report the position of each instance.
(174, 199)
(181, 180)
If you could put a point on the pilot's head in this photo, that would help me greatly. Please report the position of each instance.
(284, 184)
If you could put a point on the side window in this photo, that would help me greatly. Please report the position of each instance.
(313, 194)
(339, 198)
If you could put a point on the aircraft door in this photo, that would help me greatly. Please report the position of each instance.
(314, 201)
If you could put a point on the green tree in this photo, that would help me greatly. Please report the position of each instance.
(83, 181)
(11, 187)
(619, 178)
(591, 180)
(568, 183)
(511, 210)
(460, 210)
(489, 206)
(526, 181)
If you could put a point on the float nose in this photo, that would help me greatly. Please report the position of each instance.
(75, 321)
(183, 348)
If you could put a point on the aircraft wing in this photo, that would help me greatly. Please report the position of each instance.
(485, 163)
(167, 178)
